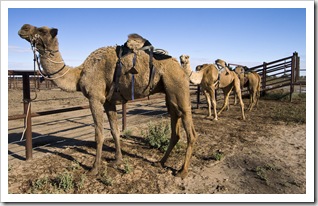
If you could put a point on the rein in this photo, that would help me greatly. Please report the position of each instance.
(37, 60)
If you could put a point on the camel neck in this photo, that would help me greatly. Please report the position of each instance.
(65, 77)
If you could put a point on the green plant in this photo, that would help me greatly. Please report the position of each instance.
(127, 133)
(218, 155)
(108, 181)
(80, 183)
(40, 184)
(127, 167)
(65, 181)
(157, 135)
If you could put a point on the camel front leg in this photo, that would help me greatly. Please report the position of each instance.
(208, 100)
(212, 96)
(97, 113)
(110, 108)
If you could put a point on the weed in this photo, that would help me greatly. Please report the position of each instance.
(65, 181)
(157, 135)
(127, 133)
(127, 167)
(108, 181)
(218, 155)
(81, 182)
(74, 166)
(40, 184)
(261, 173)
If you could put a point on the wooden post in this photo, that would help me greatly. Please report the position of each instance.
(292, 78)
(198, 96)
(27, 112)
(124, 116)
(264, 78)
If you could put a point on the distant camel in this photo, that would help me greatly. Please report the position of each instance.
(252, 81)
(118, 73)
(210, 78)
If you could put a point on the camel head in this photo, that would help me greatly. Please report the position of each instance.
(184, 59)
(221, 63)
(43, 38)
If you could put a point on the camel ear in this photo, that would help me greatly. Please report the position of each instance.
(53, 32)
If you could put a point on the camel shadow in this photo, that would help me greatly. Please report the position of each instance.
(48, 144)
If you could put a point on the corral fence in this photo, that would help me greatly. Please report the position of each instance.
(284, 72)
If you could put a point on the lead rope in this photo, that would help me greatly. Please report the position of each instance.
(35, 91)
(133, 79)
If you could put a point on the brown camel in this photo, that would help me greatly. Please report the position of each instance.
(96, 79)
(210, 78)
(251, 80)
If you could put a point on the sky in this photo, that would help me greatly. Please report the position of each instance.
(247, 36)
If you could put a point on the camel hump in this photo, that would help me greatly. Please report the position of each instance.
(136, 42)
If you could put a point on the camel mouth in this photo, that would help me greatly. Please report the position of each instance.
(24, 36)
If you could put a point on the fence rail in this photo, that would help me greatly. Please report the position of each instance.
(276, 74)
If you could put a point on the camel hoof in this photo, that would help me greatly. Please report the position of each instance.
(93, 172)
(158, 164)
(183, 174)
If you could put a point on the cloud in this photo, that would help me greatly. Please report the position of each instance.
(17, 49)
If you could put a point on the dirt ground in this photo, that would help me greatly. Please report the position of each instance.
(265, 154)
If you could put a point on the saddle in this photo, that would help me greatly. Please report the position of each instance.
(134, 43)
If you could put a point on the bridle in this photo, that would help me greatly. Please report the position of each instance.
(45, 53)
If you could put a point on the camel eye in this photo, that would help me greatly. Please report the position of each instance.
(43, 31)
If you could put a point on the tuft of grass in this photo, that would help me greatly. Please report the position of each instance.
(65, 181)
(127, 167)
(262, 170)
(127, 133)
(105, 179)
(158, 135)
(218, 155)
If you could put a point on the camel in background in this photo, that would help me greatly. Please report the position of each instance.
(106, 77)
(252, 81)
(210, 78)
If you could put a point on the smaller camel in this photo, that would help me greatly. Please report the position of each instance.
(210, 78)
(251, 80)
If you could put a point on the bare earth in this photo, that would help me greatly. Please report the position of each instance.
(263, 155)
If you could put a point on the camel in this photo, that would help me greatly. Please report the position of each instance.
(210, 78)
(103, 85)
(251, 80)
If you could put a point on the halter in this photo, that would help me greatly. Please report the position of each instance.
(45, 51)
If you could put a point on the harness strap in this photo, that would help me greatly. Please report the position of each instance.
(115, 84)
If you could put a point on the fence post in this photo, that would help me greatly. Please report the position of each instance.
(124, 116)
(27, 113)
(264, 78)
(198, 96)
(292, 78)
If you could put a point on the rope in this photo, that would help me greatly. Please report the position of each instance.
(26, 122)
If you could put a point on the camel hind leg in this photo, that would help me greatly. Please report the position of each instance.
(191, 138)
(175, 136)
(227, 91)
(239, 95)
(110, 109)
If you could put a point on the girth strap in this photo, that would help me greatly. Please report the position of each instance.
(115, 84)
